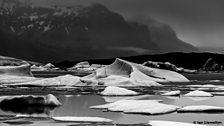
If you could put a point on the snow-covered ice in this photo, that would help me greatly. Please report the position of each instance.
(172, 93)
(121, 72)
(170, 123)
(198, 93)
(22, 70)
(110, 99)
(206, 87)
(82, 119)
(117, 91)
(150, 107)
(201, 108)
(65, 80)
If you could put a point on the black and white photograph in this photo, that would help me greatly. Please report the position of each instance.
(111, 63)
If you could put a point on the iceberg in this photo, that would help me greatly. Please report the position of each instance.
(83, 64)
(117, 91)
(65, 80)
(82, 119)
(22, 70)
(201, 108)
(172, 93)
(26, 100)
(49, 65)
(125, 73)
(148, 107)
(170, 123)
(206, 87)
(139, 72)
(198, 93)
(11, 79)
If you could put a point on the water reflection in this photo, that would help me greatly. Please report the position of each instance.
(25, 105)
(78, 105)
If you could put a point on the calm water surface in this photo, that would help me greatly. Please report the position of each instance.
(78, 105)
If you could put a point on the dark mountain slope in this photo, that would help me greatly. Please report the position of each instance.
(78, 32)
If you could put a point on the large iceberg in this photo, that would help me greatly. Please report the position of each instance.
(149, 107)
(121, 72)
(117, 91)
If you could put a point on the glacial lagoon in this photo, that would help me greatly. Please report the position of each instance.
(78, 105)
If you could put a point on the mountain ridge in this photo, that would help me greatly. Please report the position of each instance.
(79, 32)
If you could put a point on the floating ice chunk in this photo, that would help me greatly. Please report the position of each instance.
(84, 64)
(170, 123)
(207, 87)
(65, 80)
(82, 119)
(22, 70)
(110, 99)
(10, 80)
(198, 93)
(172, 93)
(117, 91)
(151, 107)
(48, 100)
(51, 100)
(201, 108)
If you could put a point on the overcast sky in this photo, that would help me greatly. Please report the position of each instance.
(199, 22)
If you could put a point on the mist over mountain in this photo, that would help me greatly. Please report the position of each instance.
(79, 32)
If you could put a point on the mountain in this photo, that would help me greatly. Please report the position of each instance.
(164, 36)
(58, 33)
(219, 50)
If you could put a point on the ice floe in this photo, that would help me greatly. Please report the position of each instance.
(207, 87)
(82, 119)
(65, 80)
(110, 99)
(22, 70)
(170, 123)
(172, 93)
(9, 79)
(201, 108)
(117, 91)
(198, 93)
(150, 107)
